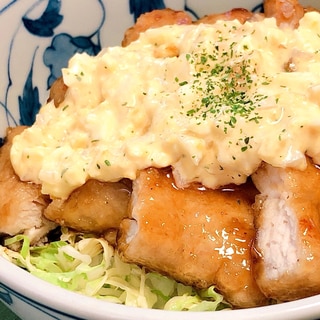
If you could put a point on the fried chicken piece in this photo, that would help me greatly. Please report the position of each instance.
(286, 12)
(197, 236)
(155, 19)
(94, 207)
(287, 244)
(240, 14)
(21, 203)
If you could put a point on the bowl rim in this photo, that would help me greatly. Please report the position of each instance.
(23, 284)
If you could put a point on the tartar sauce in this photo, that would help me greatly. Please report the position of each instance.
(212, 101)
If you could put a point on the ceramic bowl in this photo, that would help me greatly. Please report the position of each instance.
(37, 39)
(32, 298)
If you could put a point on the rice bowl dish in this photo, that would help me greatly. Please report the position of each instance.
(219, 94)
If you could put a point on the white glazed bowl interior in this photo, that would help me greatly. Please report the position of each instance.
(32, 298)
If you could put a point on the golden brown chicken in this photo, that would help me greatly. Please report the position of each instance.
(287, 244)
(199, 237)
(155, 19)
(94, 207)
(21, 203)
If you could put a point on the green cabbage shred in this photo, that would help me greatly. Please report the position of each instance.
(89, 265)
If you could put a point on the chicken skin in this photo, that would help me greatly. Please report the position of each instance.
(21, 203)
(94, 207)
(199, 237)
(287, 244)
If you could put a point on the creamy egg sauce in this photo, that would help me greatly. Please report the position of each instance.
(212, 101)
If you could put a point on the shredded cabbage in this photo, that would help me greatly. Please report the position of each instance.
(90, 266)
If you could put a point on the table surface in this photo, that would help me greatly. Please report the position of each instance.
(6, 314)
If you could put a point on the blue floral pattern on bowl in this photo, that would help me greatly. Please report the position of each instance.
(20, 302)
(5, 295)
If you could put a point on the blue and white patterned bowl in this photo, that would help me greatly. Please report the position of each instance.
(37, 39)
(32, 299)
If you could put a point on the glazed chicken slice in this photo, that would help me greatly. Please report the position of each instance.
(287, 244)
(94, 207)
(21, 203)
(199, 237)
